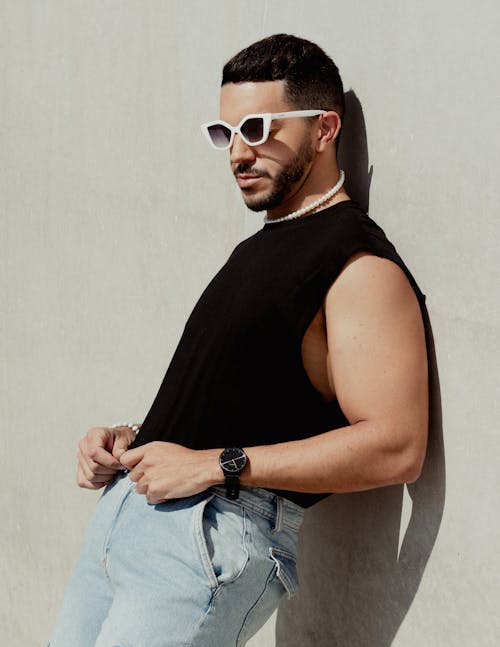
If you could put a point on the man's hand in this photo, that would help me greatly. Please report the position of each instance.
(98, 455)
(165, 471)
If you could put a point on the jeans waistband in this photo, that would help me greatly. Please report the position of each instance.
(283, 512)
(276, 508)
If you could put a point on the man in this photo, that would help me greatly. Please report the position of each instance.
(302, 371)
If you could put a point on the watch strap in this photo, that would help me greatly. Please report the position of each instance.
(232, 486)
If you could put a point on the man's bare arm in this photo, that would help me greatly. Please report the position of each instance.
(378, 364)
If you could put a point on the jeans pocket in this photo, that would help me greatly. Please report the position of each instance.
(220, 531)
(286, 569)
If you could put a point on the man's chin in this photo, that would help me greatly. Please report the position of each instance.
(254, 207)
(262, 203)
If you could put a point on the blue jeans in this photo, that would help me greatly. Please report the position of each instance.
(202, 571)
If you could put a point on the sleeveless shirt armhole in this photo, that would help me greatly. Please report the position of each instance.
(379, 245)
(356, 237)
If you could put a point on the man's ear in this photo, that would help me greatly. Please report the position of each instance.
(328, 129)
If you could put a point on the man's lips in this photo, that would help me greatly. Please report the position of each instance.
(246, 181)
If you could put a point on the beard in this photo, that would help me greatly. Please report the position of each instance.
(283, 183)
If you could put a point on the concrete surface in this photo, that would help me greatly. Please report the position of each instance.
(115, 214)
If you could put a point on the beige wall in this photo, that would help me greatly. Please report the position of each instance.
(114, 215)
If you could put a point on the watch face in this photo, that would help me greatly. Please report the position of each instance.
(233, 460)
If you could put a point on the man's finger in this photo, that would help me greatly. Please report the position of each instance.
(132, 456)
(82, 481)
(121, 444)
(104, 458)
(94, 472)
(91, 466)
(141, 485)
(136, 474)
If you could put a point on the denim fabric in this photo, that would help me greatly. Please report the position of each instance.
(202, 571)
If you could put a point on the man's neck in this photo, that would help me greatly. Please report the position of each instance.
(338, 196)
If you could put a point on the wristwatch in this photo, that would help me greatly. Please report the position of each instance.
(232, 461)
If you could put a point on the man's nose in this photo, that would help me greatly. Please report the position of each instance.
(240, 151)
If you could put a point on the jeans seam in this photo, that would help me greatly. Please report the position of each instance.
(256, 602)
(202, 545)
(107, 540)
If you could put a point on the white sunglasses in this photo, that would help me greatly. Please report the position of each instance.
(253, 129)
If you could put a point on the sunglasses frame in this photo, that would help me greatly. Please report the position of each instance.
(267, 118)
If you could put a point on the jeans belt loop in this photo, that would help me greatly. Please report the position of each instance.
(280, 509)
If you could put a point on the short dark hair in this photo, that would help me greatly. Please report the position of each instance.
(312, 78)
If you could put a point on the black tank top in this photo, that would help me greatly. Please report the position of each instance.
(236, 378)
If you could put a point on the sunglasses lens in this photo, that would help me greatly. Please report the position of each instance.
(253, 129)
(220, 135)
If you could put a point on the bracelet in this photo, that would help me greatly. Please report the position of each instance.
(133, 426)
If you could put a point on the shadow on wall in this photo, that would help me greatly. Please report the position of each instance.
(353, 152)
(355, 585)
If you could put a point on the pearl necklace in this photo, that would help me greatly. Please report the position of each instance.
(312, 206)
